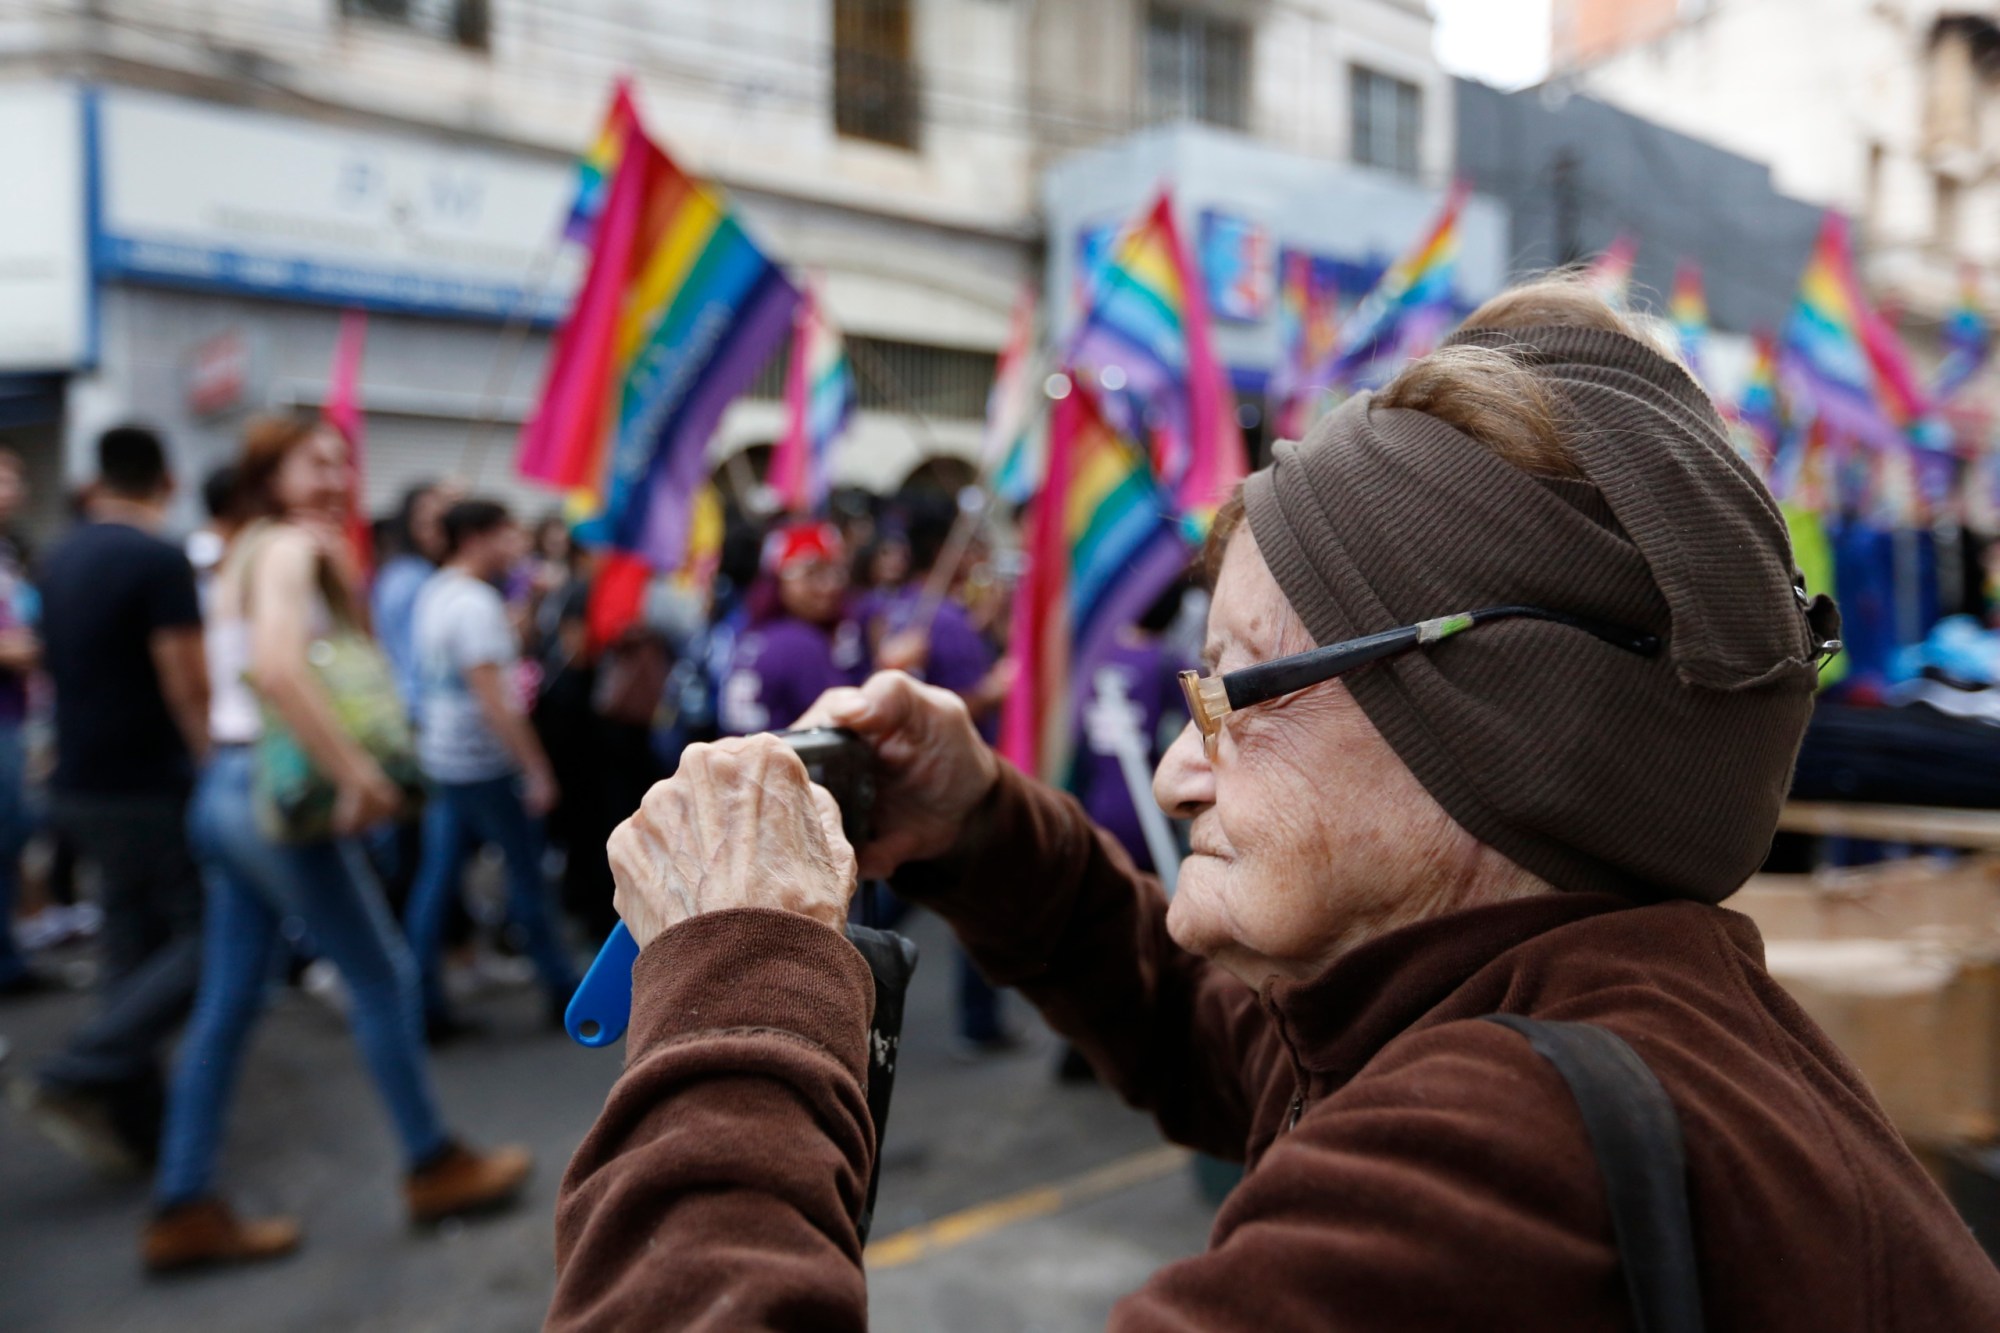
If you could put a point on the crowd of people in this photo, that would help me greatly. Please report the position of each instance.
(212, 703)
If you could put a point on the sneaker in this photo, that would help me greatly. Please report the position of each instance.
(81, 1123)
(57, 925)
(322, 980)
(457, 1182)
(205, 1232)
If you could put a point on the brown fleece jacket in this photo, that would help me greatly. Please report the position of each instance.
(1410, 1168)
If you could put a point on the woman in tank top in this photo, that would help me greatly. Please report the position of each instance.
(274, 594)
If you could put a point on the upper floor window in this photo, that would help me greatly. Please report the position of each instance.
(467, 22)
(1197, 67)
(1387, 120)
(875, 87)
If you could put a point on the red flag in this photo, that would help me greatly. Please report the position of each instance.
(617, 596)
(343, 412)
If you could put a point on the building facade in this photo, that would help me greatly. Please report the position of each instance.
(212, 181)
(1575, 174)
(1888, 110)
(1581, 31)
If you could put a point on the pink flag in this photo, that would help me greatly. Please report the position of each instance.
(343, 412)
(819, 403)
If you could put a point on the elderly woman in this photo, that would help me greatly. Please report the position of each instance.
(1529, 812)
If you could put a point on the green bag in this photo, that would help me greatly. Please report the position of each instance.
(294, 799)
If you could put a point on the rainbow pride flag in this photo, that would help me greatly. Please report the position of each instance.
(1102, 544)
(819, 404)
(1842, 364)
(1687, 311)
(599, 162)
(678, 311)
(1968, 342)
(1144, 349)
(1826, 369)
(1758, 416)
(1406, 313)
(1610, 274)
(1308, 328)
(1010, 452)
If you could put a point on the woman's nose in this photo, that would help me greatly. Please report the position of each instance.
(1184, 784)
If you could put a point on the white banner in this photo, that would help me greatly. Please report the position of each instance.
(44, 277)
(242, 200)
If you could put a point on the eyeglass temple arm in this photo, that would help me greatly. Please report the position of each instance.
(1254, 685)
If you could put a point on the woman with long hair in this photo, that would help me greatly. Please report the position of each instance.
(287, 581)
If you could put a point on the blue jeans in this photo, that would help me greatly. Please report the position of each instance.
(15, 825)
(252, 886)
(492, 812)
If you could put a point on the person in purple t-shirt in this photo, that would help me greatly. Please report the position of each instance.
(798, 642)
(936, 640)
(1147, 672)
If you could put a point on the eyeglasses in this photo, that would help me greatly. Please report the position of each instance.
(1210, 699)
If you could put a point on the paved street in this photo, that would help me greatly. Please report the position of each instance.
(309, 1137)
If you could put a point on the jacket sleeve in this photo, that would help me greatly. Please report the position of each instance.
(1044, 901)
(720, 1185)
(1450, 1185)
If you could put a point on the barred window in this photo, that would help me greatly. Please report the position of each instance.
(875, 85)
(466, 22)
(1197, 68)
(894, 376)
(1387, 120)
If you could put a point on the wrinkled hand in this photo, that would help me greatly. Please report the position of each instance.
(932, 767)
(738, 825)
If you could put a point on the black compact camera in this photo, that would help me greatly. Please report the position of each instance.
(841, 762)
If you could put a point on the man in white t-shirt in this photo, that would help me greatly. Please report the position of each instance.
(489, 775)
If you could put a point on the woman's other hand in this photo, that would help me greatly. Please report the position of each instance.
(932, 767)
(738, 825)
(364, 800)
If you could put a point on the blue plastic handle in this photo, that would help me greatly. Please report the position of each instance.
(602, 1006)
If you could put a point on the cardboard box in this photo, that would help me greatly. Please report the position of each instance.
(1900, 964)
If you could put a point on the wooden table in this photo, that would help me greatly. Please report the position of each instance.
(1928, 826)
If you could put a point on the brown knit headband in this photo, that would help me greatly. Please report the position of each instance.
(1590, 766)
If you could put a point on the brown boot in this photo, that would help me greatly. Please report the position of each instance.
(192, 1235)
(459, 1181)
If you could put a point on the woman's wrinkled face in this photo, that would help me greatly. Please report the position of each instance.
(312, 479)
(1308, 834)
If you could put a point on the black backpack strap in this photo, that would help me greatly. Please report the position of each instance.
(1636, 1138)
